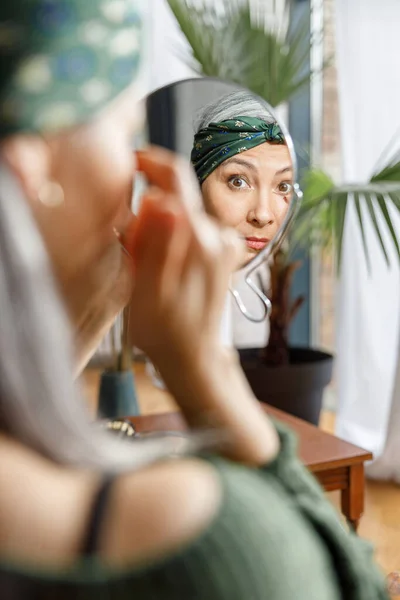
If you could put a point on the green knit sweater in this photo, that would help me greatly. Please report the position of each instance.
(275, 537)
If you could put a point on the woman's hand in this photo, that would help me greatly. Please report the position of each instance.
(182, 264)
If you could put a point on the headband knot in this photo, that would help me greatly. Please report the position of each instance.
(219, 141)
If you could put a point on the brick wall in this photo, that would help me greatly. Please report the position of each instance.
(330, 162)
(330, 124)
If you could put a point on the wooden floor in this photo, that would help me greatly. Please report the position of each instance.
(381, 521)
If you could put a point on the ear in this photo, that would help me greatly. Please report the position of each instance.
(29, 157)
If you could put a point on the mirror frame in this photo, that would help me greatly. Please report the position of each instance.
(269, 250)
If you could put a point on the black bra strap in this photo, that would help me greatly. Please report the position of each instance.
(91, 543)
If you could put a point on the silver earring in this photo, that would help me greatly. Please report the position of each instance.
(51, 194)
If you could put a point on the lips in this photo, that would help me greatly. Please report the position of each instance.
(256, 243)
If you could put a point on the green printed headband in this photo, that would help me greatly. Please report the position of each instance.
(61, 61)
(220, 141)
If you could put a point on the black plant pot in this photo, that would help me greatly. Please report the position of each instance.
(296, 388)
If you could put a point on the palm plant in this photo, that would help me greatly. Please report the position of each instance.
(322, 216)
(253, 46)
(259, 47)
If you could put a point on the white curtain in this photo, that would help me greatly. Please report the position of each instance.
(368, 65)
(165, 65)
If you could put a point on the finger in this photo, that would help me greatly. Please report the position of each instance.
(170, 173)
(165, 169)
(160, 168)
(233, 250)
(127, 235)
(200, 269)
(178, 249)
(152, 206)
(224, 265)
(154, 229)
(234, 247)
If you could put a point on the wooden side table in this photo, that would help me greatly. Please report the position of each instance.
(337, 464)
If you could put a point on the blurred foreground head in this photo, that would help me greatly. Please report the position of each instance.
(68, 86)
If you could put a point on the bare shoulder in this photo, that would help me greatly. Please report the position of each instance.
(158, 510)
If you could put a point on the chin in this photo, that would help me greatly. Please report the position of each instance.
(250, 254)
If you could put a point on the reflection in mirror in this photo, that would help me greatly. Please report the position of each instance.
(238, 151)
(244, 168)
(241, 154)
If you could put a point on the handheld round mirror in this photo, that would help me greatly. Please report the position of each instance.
(243, 158)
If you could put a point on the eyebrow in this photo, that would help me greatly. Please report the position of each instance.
(242, 162)
(284, 170)
(248, 164)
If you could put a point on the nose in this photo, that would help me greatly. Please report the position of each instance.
(261, 214)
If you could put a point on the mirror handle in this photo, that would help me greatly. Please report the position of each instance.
(266, 303)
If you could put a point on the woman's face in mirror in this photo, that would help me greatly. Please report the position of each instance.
(251, 192)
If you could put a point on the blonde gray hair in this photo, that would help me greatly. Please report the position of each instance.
(230, 106)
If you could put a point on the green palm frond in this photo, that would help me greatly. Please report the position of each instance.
(270, 58)
(322, 216)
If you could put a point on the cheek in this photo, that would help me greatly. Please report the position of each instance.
(229, 208)
(280, 209)
(109, 181)
(95, 171)
(97, 183)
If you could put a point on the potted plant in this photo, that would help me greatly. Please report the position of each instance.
(292, 379)
(270, 57)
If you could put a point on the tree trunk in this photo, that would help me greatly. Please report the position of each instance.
(283, 310)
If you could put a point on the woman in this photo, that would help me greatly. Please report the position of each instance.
(244, 168)
(83, 515)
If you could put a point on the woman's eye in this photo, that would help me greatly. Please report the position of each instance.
(238, 182)
(285, 188)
